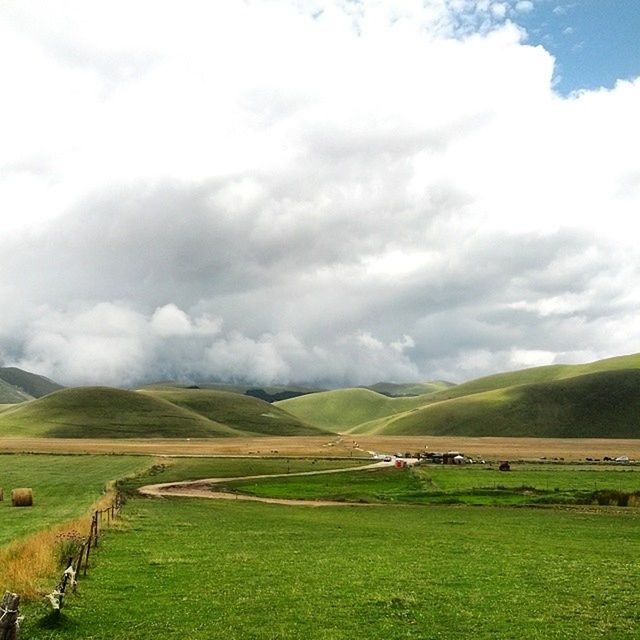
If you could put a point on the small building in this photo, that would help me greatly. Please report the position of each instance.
(453, 457)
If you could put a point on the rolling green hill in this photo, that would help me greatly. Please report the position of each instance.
(32, 384)
(102, 412)
(595, 405)
(517, 403)
(343, 409)
(239, 411)
(536, 374)
(11, 395)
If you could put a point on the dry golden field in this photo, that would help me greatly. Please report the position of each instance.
(508, 448)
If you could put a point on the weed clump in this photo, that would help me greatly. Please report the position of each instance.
(611, 497)
(68, 544)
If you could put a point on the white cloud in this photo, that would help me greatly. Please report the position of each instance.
(326, 185)
(521, 358)
(407, 342)
(169, 320)
(499, 9)
(524, 6)
(110, 343)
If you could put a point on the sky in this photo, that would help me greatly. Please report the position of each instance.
(333, 192)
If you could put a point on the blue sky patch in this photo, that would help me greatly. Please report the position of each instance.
(595, 42)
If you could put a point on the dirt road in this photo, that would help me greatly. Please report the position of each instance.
(202, 488)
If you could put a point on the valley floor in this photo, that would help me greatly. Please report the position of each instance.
(349, 446)
(206, 569)
(187, 568)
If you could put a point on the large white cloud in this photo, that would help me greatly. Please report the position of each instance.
(270, 190)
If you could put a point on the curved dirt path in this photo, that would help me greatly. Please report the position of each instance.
(201, 488)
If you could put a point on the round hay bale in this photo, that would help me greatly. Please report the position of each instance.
(22, 497)
(1, 494)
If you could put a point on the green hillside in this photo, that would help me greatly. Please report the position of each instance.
(10, 394)
(537, 374)
(595, 405)
(101, 412)
(239, 411)
(343, 409)
(396, 390)
(32, 384)
(516, 403)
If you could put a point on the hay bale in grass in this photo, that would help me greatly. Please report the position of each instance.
(1, 494)
(22, 497)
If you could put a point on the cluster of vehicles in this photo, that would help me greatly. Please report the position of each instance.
(434, 457)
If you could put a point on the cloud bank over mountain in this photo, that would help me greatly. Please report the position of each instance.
(328, 191)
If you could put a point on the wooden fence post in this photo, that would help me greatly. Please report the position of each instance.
(78, 566)
(96, 534)
(88, 551)
(9, 612)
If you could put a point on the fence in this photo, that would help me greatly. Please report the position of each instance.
(77, 565)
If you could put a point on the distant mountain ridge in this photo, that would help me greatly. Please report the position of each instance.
(10, 394)
(268, 393)
(401, 390)
(17, 385)
(32, 384)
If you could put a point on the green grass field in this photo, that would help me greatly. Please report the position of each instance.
(177, 469)
(200, 569)
(436, 484)
(64, 488)
(193, 568)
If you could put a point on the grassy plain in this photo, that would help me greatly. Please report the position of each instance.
(64, 487)
(201, 569)
(194, 568)
(436, 484)
(178, 469)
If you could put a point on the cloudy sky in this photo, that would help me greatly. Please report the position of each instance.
(325, 191)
